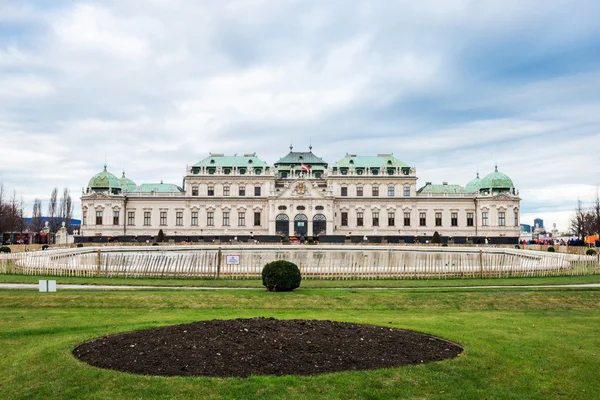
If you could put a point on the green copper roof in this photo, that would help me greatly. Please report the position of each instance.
(104, 180)
(127, 184)
(496, 180)
(219, 160)
(160, 188)
(474, 185)
(298, 157)
(440, 189)
(378, 161)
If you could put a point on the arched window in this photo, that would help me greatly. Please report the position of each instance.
(300, 208)
(282, 208)
(319, 217)
(282, 217)
(300, 217)
(319, 208)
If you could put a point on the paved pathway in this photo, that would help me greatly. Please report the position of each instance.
(35, 286)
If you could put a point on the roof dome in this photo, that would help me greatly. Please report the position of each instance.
(104, 180)
(496, 180)
(474, 185)
(127, 184)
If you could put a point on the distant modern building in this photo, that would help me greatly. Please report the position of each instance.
(301, 195)
(526, 228)
(538, 223)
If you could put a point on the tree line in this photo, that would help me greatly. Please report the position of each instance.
(12, 215)
(586, 221)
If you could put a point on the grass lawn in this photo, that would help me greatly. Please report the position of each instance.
(519, 344)
(307, 283)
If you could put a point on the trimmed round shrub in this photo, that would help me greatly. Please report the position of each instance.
(154, 244)
(5, 249)
(79, 244)
(517, 246)
(588, 252)
(281, 276)
(44, 247)
(444, 244)
(551, 249)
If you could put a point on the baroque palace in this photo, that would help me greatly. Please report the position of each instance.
(301, 195)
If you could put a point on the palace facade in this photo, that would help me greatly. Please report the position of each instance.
(301, 195)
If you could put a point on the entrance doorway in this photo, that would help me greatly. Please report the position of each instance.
(282, 225)
(300, 225)
(319, 225)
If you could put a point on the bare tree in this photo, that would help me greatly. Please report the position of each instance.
(52, 211)
(65, 213)
(578, 220)
(2, 211)
(36, 216)
(596, 214)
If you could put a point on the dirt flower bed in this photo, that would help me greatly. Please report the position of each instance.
(262, 346)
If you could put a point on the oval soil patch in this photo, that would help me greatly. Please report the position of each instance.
(262, 346)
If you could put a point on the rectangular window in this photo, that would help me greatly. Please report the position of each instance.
(225, 218)
(194, 190)
(344, 191)
(242, 191)
(470, 219)
(194, 221)
(359, 219)
(179, 218)
(406, 191)
(163, 218)
(516, 218)
(146, 218)
(391, 191)
(131, 218)
(375, 191)
(484, 218)
(210, 218)
(241, 218)
(344, 219)
(98, 217)
(501, 218)
(391, 219)
(375, 218)
(257, 190)
(438, 219)
(257, 218)
(211, 191)
(115, 218)
(422, 219)
(225, 190)
(359, 191)
(406, 219)
(84, 218)
(454, 219)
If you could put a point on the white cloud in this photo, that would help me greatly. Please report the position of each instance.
(433, 82)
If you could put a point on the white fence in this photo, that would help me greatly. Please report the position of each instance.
(322, 262)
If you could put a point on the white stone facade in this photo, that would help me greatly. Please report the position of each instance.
(235, 204)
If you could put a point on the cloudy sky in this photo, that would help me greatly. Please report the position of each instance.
(448, 86)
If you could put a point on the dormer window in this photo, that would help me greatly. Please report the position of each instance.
(300, 158)
(351, 162)
(249, 161)
(242, 171)
(344, 171)
(211, 171)
(212, 161)
(389, 162)
(227, 171)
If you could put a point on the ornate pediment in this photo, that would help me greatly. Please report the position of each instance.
(98, 196)
(300, 189)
